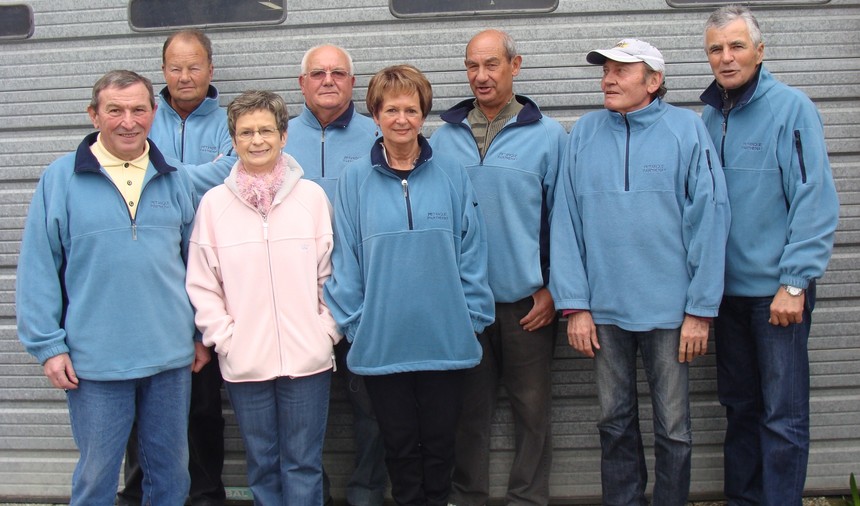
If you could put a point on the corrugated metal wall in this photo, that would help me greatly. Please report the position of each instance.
(44, 88)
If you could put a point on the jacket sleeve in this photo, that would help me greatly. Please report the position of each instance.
(557, 138)
(813, 204)
(209, 175)
(473, 259)
(325, 244)
(706, 224)
(568, 279)
(204, 284)
(344, 290)
(39, 291)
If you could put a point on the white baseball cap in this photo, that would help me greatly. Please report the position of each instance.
(629, 51)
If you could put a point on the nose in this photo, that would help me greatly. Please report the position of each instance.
(127, 120)
(184, 75)
(727, 55)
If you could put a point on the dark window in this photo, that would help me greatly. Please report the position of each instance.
(16, 21)
(145, 15)
(717, 3)
(416, 8)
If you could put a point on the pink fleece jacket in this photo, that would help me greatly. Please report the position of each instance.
(257, 283)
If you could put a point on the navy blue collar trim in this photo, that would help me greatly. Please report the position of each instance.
(86, 161)
(528, 114)
(713, 95)
(378, 158)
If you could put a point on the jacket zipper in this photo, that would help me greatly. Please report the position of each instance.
(182, 140)
(711, 170)
(322, 153)
(272, 283)
(799, 146)
(131, 219)
(723, 141)
(627, 157)
(405, 185)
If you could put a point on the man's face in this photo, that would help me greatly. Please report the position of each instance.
(732, 55)
(625, 86)
(124, 117)
(187, 72)
(327, 93)
(490, 72)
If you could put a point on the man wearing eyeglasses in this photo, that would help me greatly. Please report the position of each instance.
(512, 153)
(191, 128)
(324, 138)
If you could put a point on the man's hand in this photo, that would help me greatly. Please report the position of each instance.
(785, 309)
(542, 313)
(694, 338)
(202, 356)
(581, 333)
(59, 370)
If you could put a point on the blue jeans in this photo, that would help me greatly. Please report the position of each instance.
(282, 422)
(622, 465)
(763, 382)
(102, 413)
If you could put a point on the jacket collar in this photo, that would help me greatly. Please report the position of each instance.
(529, 113)
(307, 117)
(377, 157)
(85, 160)
(210, 102)
(640, 118)
(713, 94)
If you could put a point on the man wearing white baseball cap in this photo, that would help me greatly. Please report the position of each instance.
(637, 245)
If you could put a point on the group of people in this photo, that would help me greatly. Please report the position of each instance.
(443, 262)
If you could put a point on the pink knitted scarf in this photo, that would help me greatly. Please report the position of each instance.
(259, 190)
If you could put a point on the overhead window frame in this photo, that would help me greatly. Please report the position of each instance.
(143, 15)
(466, 8)
(13, 16)
(697, 4)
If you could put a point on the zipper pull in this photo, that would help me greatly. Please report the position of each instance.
(265, 230)
(405, 185)
(133, 230)
(333, 363)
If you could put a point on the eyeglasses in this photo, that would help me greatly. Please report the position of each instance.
(265, 133)
(336, 74)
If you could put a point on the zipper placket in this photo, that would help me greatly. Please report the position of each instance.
(725, 132)
(131, 219)
(711, 170)
(272, 284)
(405, 185)
(182, 140)
(799, 147)
(322, 153)
(627, 156)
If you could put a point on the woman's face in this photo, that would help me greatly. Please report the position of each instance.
(258, 141)
(400, 119)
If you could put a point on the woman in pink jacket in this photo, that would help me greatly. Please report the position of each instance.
(258, 259)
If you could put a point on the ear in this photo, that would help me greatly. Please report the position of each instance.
(283, 140)
(93, 116)
(516, 63)
(654, 82)
(759, 53)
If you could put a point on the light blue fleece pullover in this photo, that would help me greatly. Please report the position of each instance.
(99, 285)
(784, 203)
(195, 141)
(409, 267)
(324, 152)
(640, 219)
(515, 184)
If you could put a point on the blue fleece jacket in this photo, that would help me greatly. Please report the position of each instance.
(324, 152)
(515, 185)
(99, 285)
(196, 141)
(640, 219)
(409, 266)
(784, 204)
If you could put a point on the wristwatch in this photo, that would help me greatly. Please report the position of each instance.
(793, 290)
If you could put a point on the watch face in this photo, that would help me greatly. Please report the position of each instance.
(793, 290)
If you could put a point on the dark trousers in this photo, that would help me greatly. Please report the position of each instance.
(417, 414)
(205, 445)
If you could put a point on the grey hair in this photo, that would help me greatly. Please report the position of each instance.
(120, 79)
(342, 50)
(254, 100)
(730, 13)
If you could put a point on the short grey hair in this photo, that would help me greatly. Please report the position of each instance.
(730, 13)
(254, 100)
(120, 79)
(508, 42)
(343, 51)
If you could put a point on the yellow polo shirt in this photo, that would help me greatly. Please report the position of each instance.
(127, 176)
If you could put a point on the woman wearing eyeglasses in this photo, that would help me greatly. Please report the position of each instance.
(259, 256)
(409, 285)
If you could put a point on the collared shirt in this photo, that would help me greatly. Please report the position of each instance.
(127, 175)
(485, 130)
